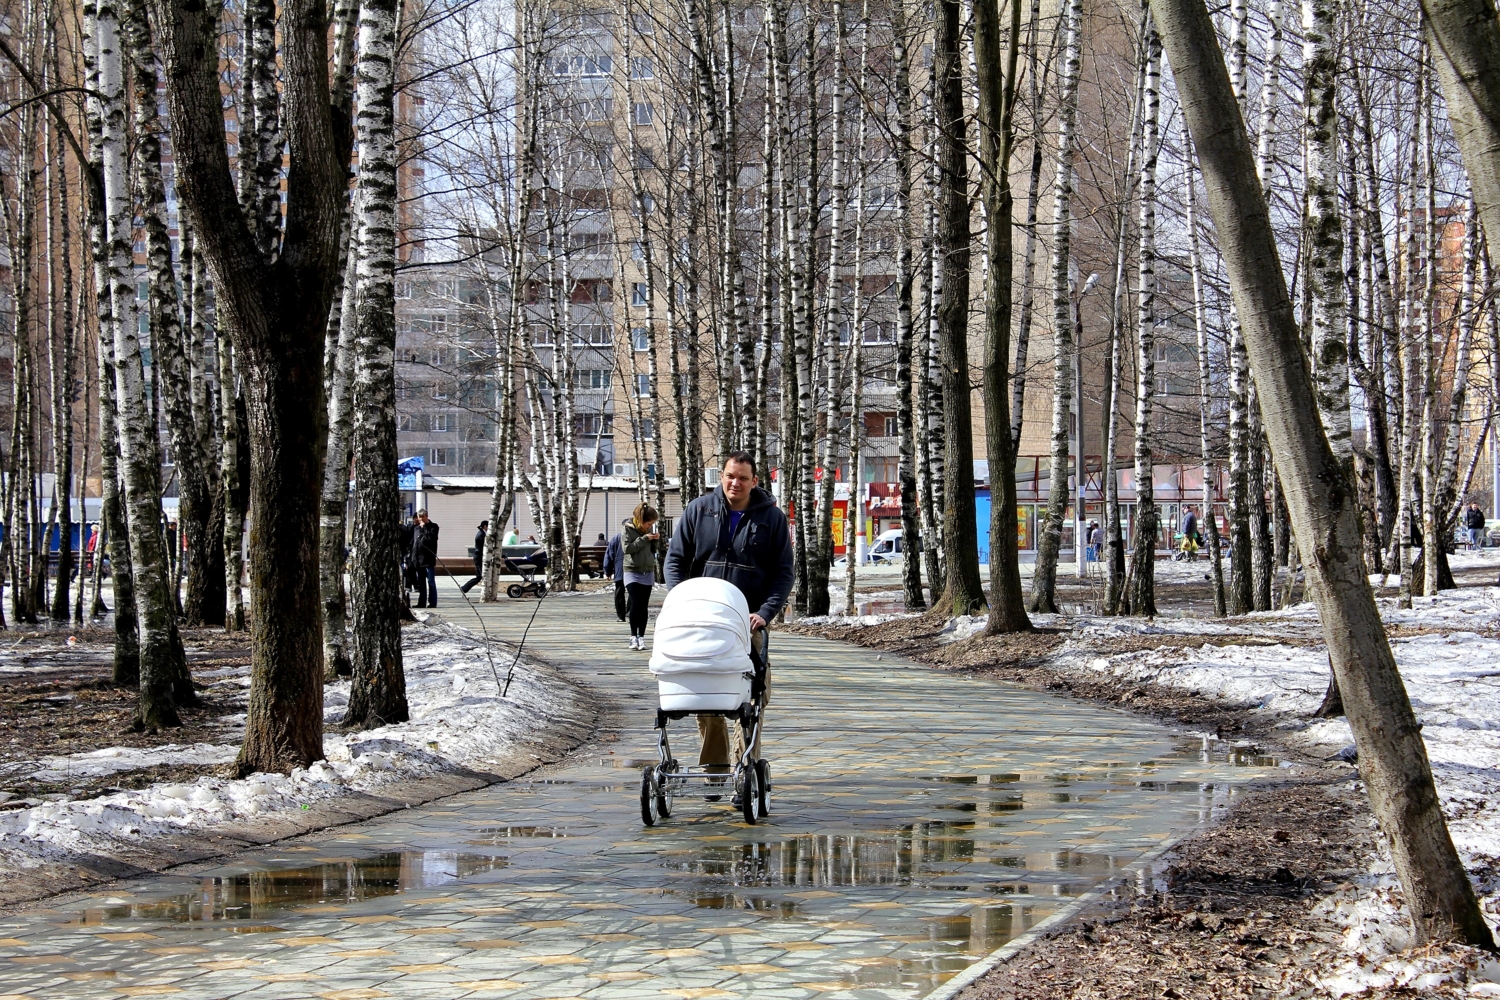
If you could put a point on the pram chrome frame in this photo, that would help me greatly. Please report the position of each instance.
(750, 778)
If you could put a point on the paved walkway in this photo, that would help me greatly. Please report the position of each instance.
(919, 820)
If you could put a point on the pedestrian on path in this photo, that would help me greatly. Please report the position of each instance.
(614, 566)
(1474, 523)
(736, 533)
(424, 549)
(638, 545)
(477, 554)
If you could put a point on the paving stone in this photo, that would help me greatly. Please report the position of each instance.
(919, 820)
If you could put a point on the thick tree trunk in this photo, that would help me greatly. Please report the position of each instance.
(963, 593)
(995, 68)
(1049, 541)
(273, 291)
(1392, 758)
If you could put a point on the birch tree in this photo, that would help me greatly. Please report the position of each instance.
(377, 695)
(1392, 759)
(1143, 566)
(1049, 542)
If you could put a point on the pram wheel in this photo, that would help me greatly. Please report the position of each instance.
(514, 591)
(541, 590)
(763, 781)
(650, 795)
(749, 794)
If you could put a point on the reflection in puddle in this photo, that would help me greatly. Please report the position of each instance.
(261, 894)
(500, 834)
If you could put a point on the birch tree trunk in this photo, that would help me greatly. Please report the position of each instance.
(377, 695)
(164, 680)
(1049, 541)
(1392, 759)
(1200, 325)
(204, 603)
(335, 503)
(116, 540)
(963, 593)
(61, 362)
(1143, 566)
(833, 312)
(906, 406)
(1324, 228)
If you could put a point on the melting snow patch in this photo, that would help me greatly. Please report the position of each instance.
(458, 722)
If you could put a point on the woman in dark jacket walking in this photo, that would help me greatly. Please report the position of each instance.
(638, 542)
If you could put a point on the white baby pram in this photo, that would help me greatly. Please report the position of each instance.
(706, 664)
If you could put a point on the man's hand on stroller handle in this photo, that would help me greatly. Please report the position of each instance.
(757, 623)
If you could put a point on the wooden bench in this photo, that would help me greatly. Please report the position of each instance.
(589, 561)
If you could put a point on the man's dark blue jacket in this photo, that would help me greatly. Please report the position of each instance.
(614, 559)
(758, 559)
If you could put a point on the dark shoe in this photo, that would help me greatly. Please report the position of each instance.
(738, 802)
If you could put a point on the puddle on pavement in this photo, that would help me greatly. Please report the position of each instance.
(229, 902)
(501, 834)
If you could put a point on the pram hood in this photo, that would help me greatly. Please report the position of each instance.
(703, 627)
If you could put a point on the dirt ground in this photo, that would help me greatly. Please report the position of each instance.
(59, 699)
(1231, 913)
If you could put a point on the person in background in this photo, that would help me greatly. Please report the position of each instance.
(424, 550)
(408, 570)
(1095, 539)
(478, 553)
(1190, 529)
(511, 537)
(1474, 524)
(614, 566)
(638, 545)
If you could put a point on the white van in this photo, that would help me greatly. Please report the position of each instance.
(887, 547)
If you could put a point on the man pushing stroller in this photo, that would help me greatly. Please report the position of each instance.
(736, 534)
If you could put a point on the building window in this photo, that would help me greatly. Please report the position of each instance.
(638, 293)
(440, 423)
(438, 456)
(637, 250)
(439, 391)
(591, 378)
(593, 424)
(640, 338)
(643, 385)
(880, 332)
(890, 427)
(543, 337)
(403, 423)
(642, 68)
(647, 429)
(640, 113)
(592, 335)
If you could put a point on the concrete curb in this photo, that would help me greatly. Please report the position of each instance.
(1015, 945)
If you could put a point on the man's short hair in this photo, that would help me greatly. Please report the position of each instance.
(422, 512)
(743, 457)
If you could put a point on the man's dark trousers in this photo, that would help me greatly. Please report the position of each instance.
(620, 599)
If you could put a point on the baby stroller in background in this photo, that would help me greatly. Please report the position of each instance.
(705, 664)
(525, 561)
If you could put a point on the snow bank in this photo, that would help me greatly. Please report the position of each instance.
(1448, 650)
(458, 723)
